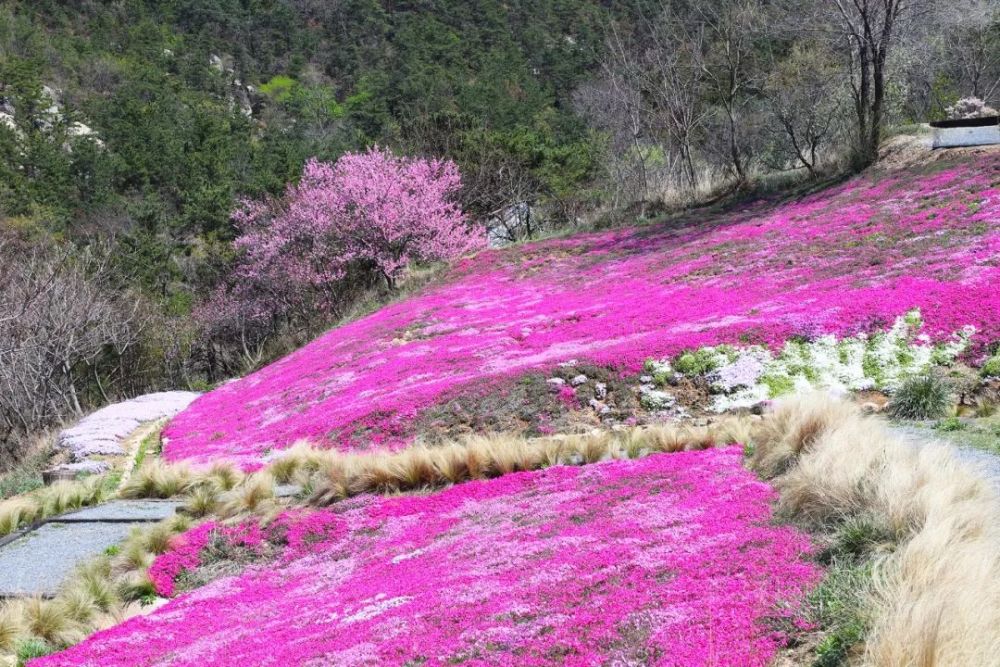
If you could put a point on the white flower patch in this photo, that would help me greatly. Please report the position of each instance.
(744, 377)
(380, 605)
(742, 372)
(655, 399)
(407, 556)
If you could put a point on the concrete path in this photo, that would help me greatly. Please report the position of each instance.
(984, 463)
(38, 561)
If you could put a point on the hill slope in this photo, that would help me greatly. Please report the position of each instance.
(671, 559)
(841, 261)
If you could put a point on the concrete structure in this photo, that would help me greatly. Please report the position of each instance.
(966, 132)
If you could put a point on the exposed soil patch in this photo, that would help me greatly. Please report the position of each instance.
(571, 398)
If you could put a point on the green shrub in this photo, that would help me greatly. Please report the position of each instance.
(838, 607)
(778, 385)
(950, 424)
(698, 362)
(33, 647)
(921, 397)
(992, 367)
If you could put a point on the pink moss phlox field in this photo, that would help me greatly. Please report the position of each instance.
(667, 560)
(184, 553)
(297, 531)
(847, 259)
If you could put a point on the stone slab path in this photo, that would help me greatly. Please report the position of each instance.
(37, 562)
(132, 511)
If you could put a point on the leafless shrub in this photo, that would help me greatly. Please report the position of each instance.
(66, 334)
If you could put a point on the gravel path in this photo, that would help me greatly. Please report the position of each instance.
(36, 563)
(986, 464)
(133, 511)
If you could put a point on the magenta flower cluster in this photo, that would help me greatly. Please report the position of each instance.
(672, 559)
(841, 261)
(297, 532)
(184, 553)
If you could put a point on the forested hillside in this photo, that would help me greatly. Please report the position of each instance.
(193, 103)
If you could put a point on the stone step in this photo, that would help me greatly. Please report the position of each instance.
(130, 511)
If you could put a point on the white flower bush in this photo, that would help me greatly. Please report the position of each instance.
(742, 377)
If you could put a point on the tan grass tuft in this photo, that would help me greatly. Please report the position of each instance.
(12, 626)
(79, 605)
(413, 469)
(733, 430)
(133, 555)
(50, 620)
(936, 597)
(451, 463)
(156, 538)
(664, 438)
(158, 480)
(697, 438)
(17, 512)
(250, 496)
(297, 458)
(594, 447)
(225, 476)
(793, 428)
(202, 501)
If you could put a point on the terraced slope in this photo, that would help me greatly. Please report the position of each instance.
(844, 260)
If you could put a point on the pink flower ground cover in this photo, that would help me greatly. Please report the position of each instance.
(843, 260)
(667, 560)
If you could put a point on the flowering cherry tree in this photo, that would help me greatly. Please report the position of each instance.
(344, 226)
(369, 213)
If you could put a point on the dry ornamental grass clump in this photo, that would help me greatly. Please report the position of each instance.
(935, 593)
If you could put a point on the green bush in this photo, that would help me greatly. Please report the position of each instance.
(992, 367)
(921, 397)
(697, 362)
(950, 424)
(33, 647)
(837, 605)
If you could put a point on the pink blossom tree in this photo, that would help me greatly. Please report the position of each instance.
(370, 212)
(344, 226)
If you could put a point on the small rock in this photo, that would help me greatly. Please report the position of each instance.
(68, 472)
(601, 390)
(600, 408)
(578, 380)
(568, 364)
(555, 384)
(646, 379)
